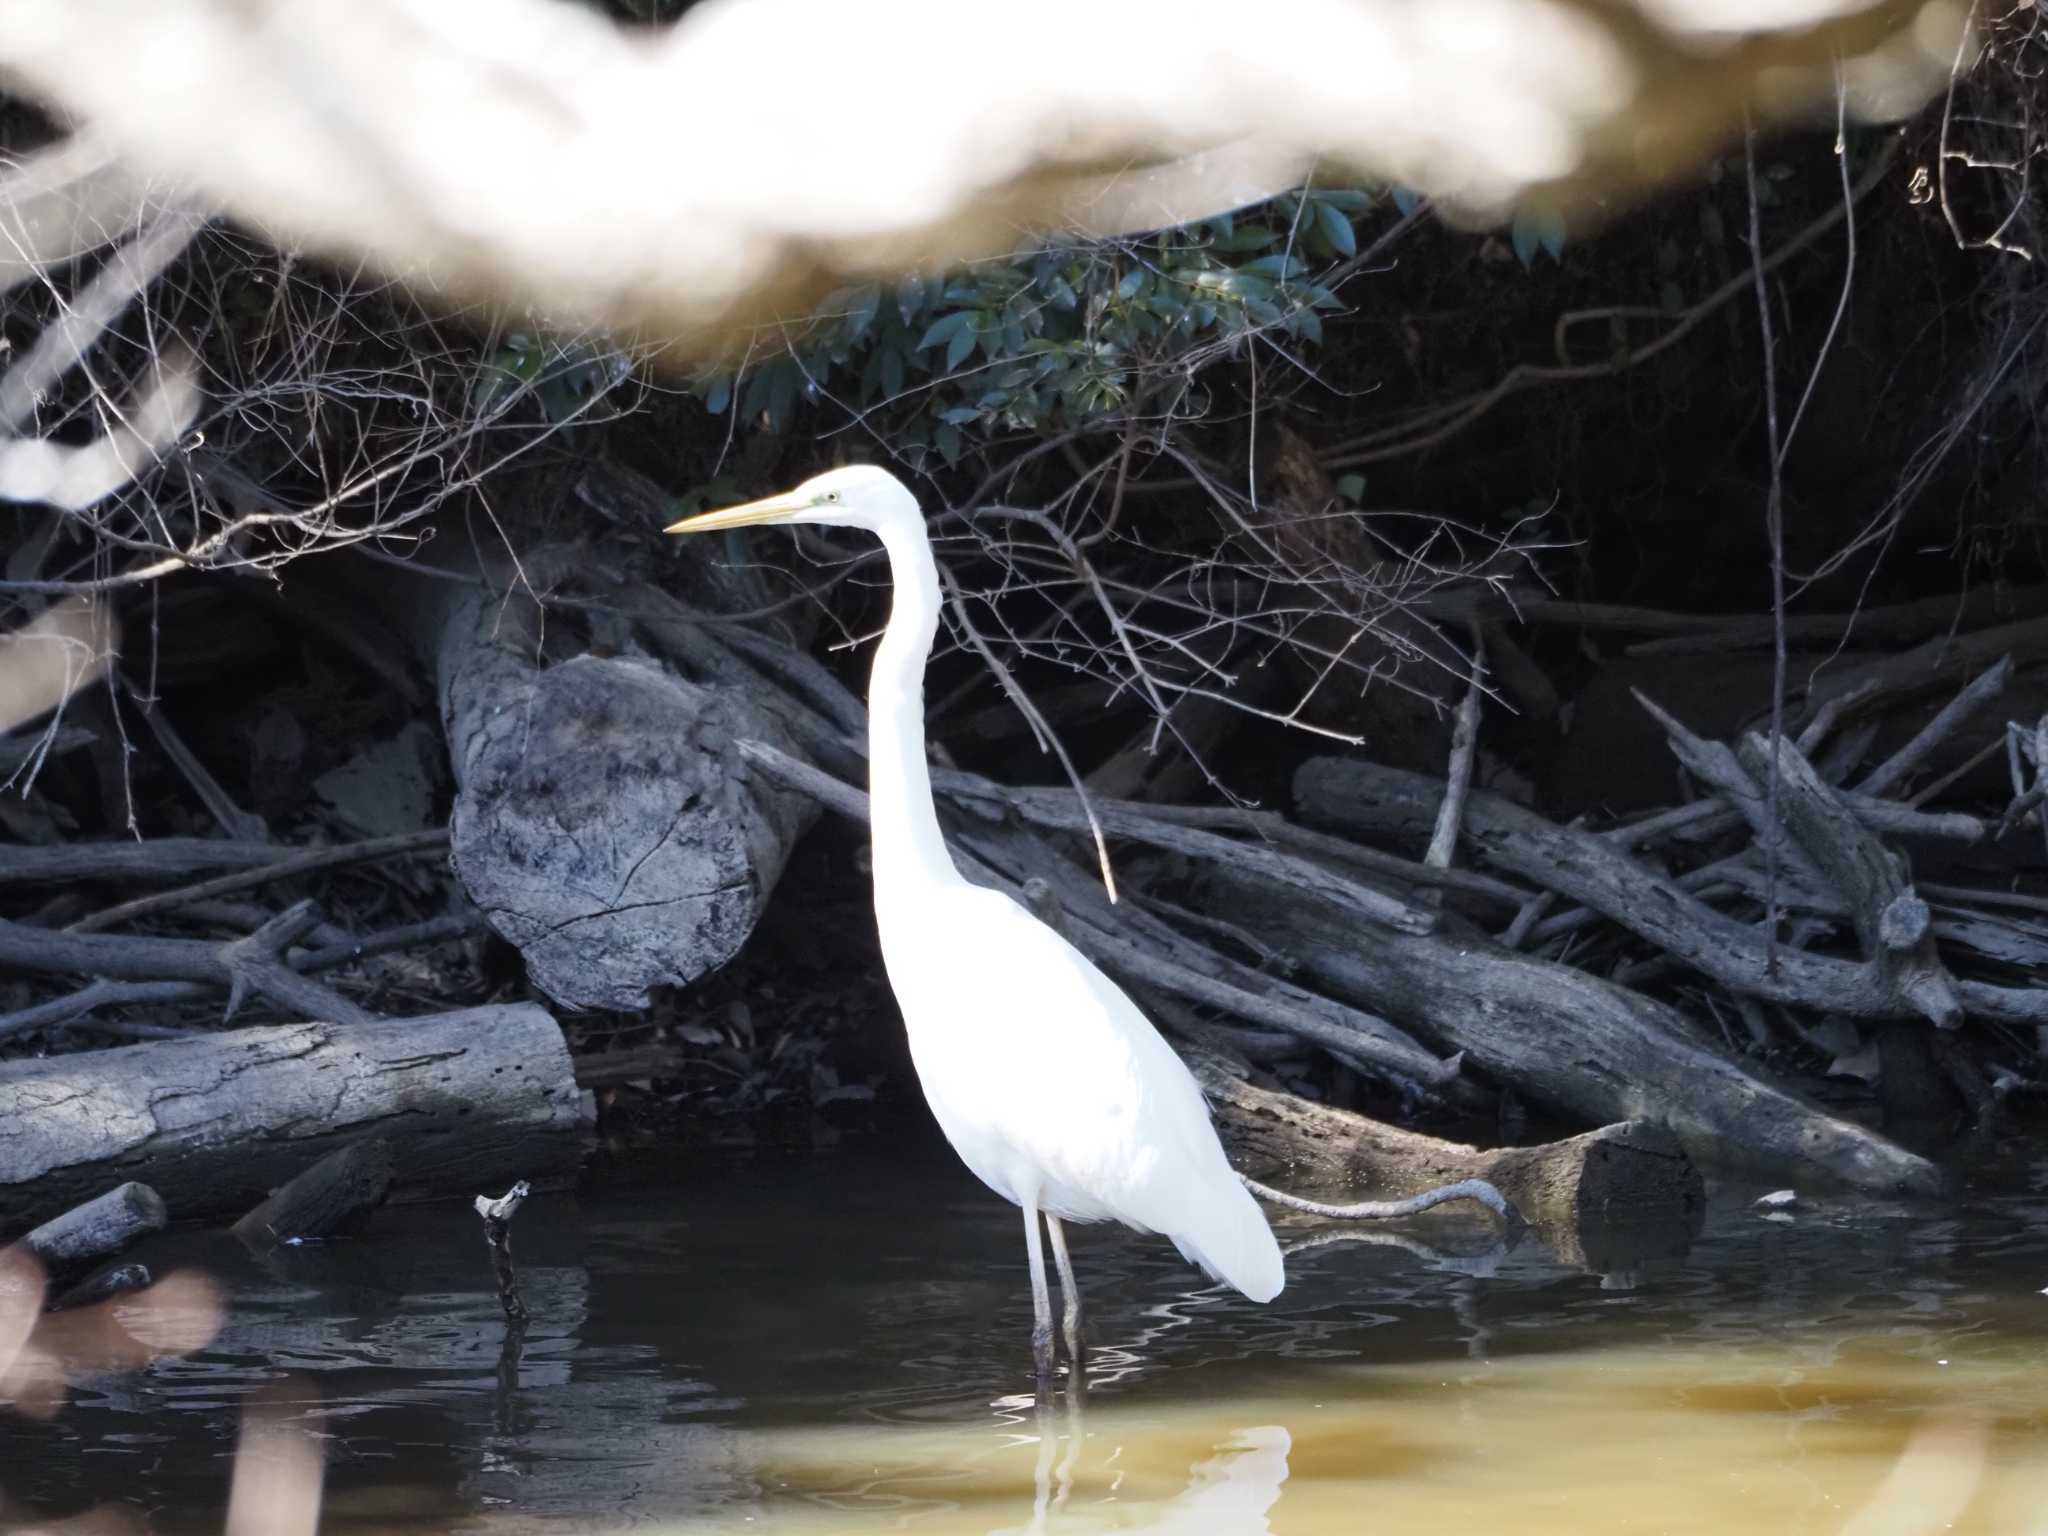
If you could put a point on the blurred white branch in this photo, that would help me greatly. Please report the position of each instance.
(735, 167)
(48, 659)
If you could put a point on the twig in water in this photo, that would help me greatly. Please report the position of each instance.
(497, 1216)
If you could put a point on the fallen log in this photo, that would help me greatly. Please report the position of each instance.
(1625, 1186)
(214, 1122)
(602, 821)
(340, 1188)
(1575, 1042)
(103, 993)
(251, 964)
(1627, 1167)
(162, 858)
(97, 1228)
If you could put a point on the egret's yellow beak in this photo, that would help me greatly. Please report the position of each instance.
(769, 509)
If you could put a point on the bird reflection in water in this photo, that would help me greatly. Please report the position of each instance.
(1229, 1494)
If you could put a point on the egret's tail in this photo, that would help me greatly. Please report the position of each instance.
(1232, 1243)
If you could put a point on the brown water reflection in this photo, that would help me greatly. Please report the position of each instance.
(839, 1345)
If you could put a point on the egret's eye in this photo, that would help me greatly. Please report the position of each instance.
(829, 496)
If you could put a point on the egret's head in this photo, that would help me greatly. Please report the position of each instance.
(858, 496)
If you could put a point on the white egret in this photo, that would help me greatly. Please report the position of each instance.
(1047, 1080)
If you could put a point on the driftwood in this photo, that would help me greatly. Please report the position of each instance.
(252, 964)
(602, 822)
(341, 1188)
(104, 993)
(1596, 871)
(1777, 790)
(99, 1227)
(214, 1122)
(163, 858)
(1892, 921)
(1579, 1194)
(1579, 1043)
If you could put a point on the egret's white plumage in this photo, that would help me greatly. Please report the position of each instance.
(1056, 1091)
(1050, 1084)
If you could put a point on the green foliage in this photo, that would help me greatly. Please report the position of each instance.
(1059, 336)
(563, 375)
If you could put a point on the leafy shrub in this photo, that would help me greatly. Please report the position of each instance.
(1057, 337)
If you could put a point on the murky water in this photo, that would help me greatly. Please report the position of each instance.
(841, 1344)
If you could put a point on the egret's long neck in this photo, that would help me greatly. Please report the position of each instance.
(904, 824)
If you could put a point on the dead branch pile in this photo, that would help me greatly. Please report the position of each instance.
(1827, 906)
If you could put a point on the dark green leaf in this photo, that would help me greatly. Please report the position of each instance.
(910, 299)
(1252, 237)
(865, 304)
(1279, 266)
(961, 344)
(718, 397)
(1337, 229)
(946, 328)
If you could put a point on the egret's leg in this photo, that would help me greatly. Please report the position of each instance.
(1041, 1300)
(1070, 1293)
